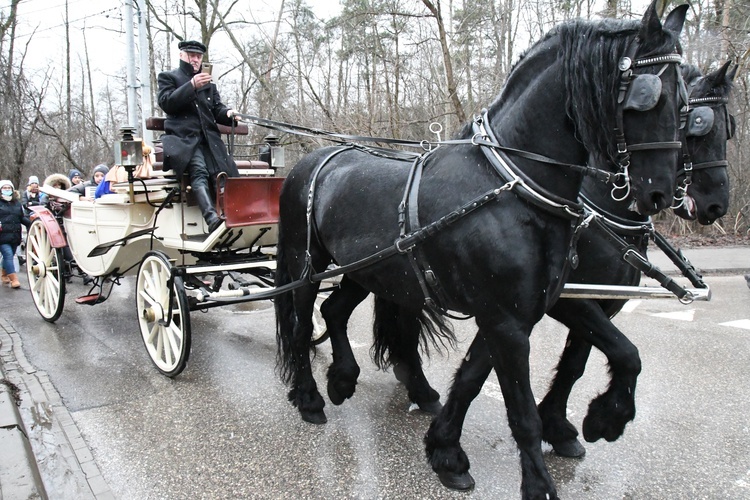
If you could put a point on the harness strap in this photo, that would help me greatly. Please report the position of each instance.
(631, 255)
(678, 259)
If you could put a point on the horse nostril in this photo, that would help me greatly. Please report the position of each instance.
(716, 211)
(659, 201)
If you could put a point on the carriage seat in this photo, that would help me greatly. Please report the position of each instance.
(246, 167)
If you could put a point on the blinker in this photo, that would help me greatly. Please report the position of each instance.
(700, 121)
(731, 126)
(644, 93)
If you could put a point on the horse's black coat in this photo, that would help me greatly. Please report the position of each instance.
(504, 264)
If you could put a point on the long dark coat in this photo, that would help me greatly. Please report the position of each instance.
(191, 117)
(11, 218)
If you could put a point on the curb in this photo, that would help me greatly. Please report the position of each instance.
(19, 475)
(52, 450)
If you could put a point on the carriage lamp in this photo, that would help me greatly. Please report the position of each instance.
(128, 150)
(129, 154)
(271, 152)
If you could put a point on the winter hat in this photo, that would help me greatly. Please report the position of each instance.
(33, 180)
(6, 182)
(100, 168)
(74, 172)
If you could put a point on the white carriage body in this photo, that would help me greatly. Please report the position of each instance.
(180, 230)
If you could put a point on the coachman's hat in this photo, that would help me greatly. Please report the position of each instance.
(192, 46)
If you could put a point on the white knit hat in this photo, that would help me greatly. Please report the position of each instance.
(33, 180)
(6, 182)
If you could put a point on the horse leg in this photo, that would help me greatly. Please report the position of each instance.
(442, 440)
(304, 393)
(609, 412)
(558, 431)
(397, 332)
(509, 349)
(336, 310)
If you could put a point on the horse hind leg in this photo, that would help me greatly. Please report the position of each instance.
(336, 311)
(396, 342)
(304, 393)
(442, 440)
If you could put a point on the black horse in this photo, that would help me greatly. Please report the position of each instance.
(705, 197)
(498, 233)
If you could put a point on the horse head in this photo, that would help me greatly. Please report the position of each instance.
(703, 184)
(651, 95)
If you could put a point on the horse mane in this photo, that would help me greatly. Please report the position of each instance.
(589, 52)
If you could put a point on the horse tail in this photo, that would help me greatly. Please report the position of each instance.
(396, 328)
(285, 317)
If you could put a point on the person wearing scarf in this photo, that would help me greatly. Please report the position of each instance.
(11, 218)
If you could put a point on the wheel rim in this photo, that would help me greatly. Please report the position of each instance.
(45, 272)
(167, 345)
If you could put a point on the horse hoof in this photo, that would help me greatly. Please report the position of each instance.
(571, 449)
(461, 482)
(334, 396)
(401, 371)
(432, 407)
(314, 417)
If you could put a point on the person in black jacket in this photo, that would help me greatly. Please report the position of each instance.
(11, 218)
(192, 142)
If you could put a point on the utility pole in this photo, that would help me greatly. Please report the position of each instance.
(130, 60)
(145, 73)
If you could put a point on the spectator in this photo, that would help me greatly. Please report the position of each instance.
(32, 196)
(75, 177)
(58, 181)
(191, 141)
(96, 178)
(11, 218)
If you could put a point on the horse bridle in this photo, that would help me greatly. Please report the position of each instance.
(700, 123)
(640, 93)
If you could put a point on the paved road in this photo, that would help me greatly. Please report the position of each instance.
(105, 424)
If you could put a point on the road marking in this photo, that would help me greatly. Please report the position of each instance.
(679, 315)
(740, 323)
(631, 305)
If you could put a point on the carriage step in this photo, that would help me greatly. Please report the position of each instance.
(91, 299)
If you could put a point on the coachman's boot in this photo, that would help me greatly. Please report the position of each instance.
(6, 279)
(14, 283)
(206, 204)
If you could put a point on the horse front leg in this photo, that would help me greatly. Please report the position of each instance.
(442, 440)
(336, 311)
(557, 429)
(609, 412)
(304, 393)
(397, 332)
(509, 349)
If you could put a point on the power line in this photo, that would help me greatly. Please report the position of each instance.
(69, 22)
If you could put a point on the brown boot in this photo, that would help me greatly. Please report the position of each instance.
(6, 279)
(14, 283)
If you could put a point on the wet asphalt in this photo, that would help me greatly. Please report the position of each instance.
(223, 428)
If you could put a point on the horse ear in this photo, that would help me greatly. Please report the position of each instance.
(720, 77)
(732, 73)
(650, 23)
(676, 19)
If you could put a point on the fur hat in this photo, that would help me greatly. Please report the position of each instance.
(192, 46)
(58, 179)
(33, 180)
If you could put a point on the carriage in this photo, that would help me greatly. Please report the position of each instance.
(151, 228)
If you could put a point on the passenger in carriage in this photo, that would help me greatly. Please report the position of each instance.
(96, 178)
(32, 196)
(192, 142)
(75, 177)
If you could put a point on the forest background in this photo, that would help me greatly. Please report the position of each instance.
(384, 68)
